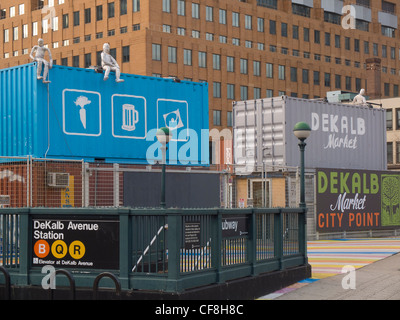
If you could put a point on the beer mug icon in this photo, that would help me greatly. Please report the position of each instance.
(130, 117)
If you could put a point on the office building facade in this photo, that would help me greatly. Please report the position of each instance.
(244, 49)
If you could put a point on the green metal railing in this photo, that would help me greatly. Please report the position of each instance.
(169, 250)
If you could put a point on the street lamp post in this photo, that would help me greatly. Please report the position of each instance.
(163, 136)
(302, 131)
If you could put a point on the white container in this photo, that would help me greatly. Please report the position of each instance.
(343, 135)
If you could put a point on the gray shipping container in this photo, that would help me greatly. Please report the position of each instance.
(343, 135)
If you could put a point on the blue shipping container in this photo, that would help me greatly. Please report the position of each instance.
(81, 116)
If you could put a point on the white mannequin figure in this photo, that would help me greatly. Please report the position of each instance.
(39, 58)
(360, 99)
(108, 63)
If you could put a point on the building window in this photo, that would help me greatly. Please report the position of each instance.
(316, 36)
(256, 68)
(384, 51)
(229, 119)
(295, 32)
(301, 10)
(272, 26)
(337, 41)
(386, 89)
(181, 7)
(216, 89)
(397, 117)
(358, 84)
(388, 7)
(284, 32)
(25, 31)
(389, 152)
(230, 91)
(76, 18)
(187, 57)
(167, 29)
(305, 76)
(15, 33)
(269, 70)
(123, 7)
(243, 93)
(135, 5)
(216, 62)
(388, 32)
(281, 72)
(65, 21)
(397, 151)
(195, 11)
(338, 81)
(156, 52)
(6, 35)
(243, 66)
(316, 78)
(21, 9)
(260, 24)
(202, 59)
(306, 34)
(230, 64)
(111, 9)
(273, 4)
(166, 5)
(216, 117)
(389, 119)
(348, 83)
(99, 13)
(248, 22)
(45, 26)
(75, 61)
(235, 19)
(222, 16)
(209, 13)
(327, 79)
(347, 43)
(88, 15)
(125, 54)
(375, 49)
(172, 54)
(366, 47)
(88, 60)
(327, 39)
(293, 74)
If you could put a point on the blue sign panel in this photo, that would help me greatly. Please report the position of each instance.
(91, 118)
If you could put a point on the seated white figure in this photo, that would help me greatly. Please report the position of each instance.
(40, 51)
(108, 63)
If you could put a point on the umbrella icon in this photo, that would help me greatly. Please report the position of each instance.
(82, 101)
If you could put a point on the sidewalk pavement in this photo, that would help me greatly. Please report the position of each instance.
(377, 281)
(375, 264)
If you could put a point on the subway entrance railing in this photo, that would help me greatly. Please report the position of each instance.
(148, 249)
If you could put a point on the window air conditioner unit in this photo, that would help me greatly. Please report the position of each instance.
(58, 179)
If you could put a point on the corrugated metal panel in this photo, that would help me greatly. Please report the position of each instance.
(81, 116)
(343, 136)
(20, 115)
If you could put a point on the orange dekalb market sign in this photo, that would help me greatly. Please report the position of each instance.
(357, 200)
(75, 241)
